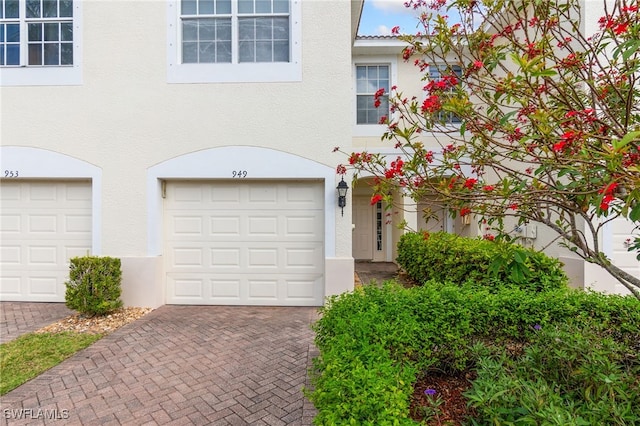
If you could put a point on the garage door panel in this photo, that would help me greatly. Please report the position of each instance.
(77, 224)
(186, 287)
(42, 225)
(44, 286)
(10, 224)
(188, 257)
(185, 225)
(224, 226)
(245, 242)
(43, 256)
(11, 285)
(261, 289)
(225, 258)
(10, 255)
(225, 289)
(262, 258)
(262, 226)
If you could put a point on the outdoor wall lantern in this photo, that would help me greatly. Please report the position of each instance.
(342, 194)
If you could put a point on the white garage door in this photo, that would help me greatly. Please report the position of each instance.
(245, 242)
(42, 225)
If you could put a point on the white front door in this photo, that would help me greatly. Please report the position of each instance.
(363, 215)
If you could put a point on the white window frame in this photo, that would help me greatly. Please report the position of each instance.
(439, 66)
(391, 62)
(46, 75)
(244, 72)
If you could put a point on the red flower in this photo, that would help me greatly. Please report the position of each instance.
(395, 30)
(354, 158)
(378, 93)
(606, 200)
(478, 64)
(407, 52)
(488, 188)
(621, 28)
(489, 237)
(608, 190)
(431, 104)
(513, 206)
(557, 147)
(375, 199)
(395, 169)
(470, 183)
(428, 156)
(341, 170)
(465, 211)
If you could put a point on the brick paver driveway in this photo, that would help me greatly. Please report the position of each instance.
(182, 365)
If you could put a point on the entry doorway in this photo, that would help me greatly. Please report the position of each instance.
(368, 233)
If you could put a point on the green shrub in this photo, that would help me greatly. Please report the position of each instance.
(567, 376)
(94, 285)
(443, 257)
(375, 341)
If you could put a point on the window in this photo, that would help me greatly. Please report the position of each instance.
(36, 33)
(435, 73)
(235, 40)
(369, 79)
(40, 42)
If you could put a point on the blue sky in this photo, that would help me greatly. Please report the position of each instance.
(379, 16)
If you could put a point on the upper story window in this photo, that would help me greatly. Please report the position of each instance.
(243, 31)
(370, 79)
(36, 33)
(39, 42)
(234, 40)
(436, 72)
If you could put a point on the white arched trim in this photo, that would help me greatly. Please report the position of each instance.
(37, 163)
(221, 163)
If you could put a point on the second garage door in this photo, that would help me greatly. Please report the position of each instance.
(244, 242)
(42, 225)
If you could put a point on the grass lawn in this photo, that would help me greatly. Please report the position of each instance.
(29, 355)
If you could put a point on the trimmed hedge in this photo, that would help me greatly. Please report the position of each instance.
(94, 285)
(374, 342)
(447, 257)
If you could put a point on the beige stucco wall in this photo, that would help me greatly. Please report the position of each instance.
(125, 118)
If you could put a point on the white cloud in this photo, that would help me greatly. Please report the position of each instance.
(383, 30)
(390, 6)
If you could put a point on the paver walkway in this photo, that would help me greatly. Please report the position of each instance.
(18, 318)
(183, 365)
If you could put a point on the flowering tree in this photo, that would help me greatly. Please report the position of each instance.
(549, 119)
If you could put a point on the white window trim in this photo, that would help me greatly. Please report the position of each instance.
(450, 125)
(65, 75)
(177, 72)
(392, 62)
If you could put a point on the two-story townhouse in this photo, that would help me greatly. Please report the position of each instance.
(378, 63)
(190, 138)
